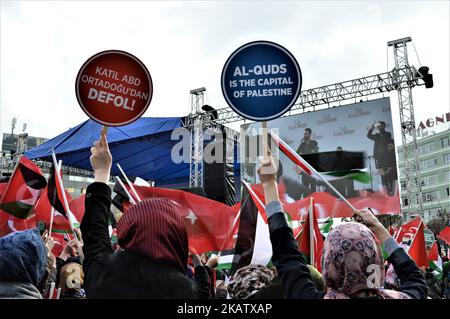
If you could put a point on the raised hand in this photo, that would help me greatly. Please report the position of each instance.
(101, 159)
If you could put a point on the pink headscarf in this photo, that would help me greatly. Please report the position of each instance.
(155, 228)
(352, 264)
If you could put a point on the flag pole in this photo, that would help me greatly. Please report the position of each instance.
(264, 138)
(132, 201)
(51, 221)
(279, 141)
(129, 183)
(66, 203)
(53, 210)
(311, 231)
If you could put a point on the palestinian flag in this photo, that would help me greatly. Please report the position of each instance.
(23, 189)
(445, 235)
(225, 260)
(253, 244)
(208, 223)
(418, 251)
(310, 241)
(52, 202)
(359, 175)
(54, 193)
(435, 261)
(291, 154)
(326, 227)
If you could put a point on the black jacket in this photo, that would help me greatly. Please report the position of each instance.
(295, 276)
(126, 274)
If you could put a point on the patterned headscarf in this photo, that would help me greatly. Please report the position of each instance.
(155, 228)
(23, 257)
(352, 264)
(248, 280)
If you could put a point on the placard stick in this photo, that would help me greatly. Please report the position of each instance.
(105, 130)
(129, 183)
(132, 201)
(311, 231)
(264, 138)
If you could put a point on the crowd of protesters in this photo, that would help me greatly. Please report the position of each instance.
(155, 261)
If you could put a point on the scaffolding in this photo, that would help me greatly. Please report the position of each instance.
(402, 79)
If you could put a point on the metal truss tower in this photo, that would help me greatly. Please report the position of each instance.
(401, 79)
(196, 127)
(409, 132)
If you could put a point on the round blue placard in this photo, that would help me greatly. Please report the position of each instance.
(261, 80)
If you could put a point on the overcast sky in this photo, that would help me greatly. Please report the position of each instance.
(185, 44)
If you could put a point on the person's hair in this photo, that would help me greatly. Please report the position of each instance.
(308, 129)
(381, 122)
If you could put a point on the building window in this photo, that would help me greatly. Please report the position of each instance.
(430, 180)
(405, 201)
(430, 196)
(445, 141)
(447, 176)
(446, 158)
(448, 191)
(428, 163)
(425, 149)
(403, 185)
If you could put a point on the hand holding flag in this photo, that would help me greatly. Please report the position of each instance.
(101, 159)
(368, 218)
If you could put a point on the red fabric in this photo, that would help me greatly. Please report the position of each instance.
(304, 240)
(10, 223)
(433, 254)
(329, 206)
(43, 209)
(408, 229)
(291, 154)
(77, 207)
(418, 250)
(155, 228)
(17, 189)
(445, 235)
(208, 222)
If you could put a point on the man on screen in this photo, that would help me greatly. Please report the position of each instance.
(308, 146)
(388, 170)
(381, 140)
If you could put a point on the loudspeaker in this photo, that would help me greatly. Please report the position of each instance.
(218, 177)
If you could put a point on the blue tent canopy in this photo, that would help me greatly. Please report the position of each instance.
(141, 148)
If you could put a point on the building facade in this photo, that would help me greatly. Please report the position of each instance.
(434, 163)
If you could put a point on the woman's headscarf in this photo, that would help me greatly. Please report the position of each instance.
(248, 280)
(352, 264)
(155, 228)
(23, 257)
